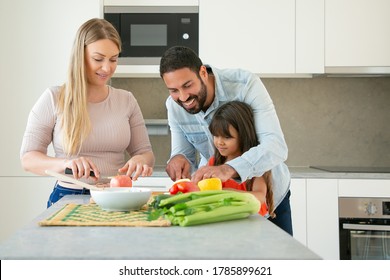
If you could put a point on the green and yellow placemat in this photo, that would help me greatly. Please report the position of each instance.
(93, 215)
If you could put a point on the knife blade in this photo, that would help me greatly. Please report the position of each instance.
(72, 180)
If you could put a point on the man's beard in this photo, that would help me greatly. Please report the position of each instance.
(200, 99)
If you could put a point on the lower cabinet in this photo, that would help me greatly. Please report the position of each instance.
(298, 209)
(364, 188)
(322, 217)
(314, 206)
(21, 200)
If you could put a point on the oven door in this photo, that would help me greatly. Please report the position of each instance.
(364, 239)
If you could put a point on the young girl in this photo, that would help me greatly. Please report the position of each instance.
(233, 128)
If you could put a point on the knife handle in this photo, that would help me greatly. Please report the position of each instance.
(70, 172)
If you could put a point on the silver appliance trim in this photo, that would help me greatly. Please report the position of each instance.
(357, 71)
(366, 227)
(139, 60)
(364, 208)
(151, 9)
(352, 169)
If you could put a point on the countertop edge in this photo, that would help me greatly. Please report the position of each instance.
(312, 173)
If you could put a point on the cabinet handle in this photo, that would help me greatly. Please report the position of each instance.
(366, 227)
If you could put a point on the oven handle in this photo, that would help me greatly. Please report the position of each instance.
(366, 227)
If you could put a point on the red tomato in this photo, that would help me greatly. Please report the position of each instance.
(173, 189)
(121, 181)
(183, 186)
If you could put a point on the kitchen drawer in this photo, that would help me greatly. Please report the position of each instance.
(364, 188)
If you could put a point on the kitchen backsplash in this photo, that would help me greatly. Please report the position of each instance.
(326, 121)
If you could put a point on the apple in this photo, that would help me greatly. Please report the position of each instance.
(121, 181)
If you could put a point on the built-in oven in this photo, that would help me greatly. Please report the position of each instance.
(364, 228)
(148, 31)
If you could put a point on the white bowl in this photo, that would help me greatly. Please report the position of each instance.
(121, 199)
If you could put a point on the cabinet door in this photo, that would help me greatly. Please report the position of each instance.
(364, 188)
(322, 217)
(21, 200)
(298, 209)
(310, 36)
(357, 33)
(256, 35)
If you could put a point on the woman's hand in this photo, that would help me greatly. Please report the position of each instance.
(139, 165)
(82, 167)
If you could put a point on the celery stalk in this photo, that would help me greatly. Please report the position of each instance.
(187, 221)
(223, 213)
(207, 207)
(187, 197)
(239, 196)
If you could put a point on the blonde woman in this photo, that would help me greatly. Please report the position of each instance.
(90, 124)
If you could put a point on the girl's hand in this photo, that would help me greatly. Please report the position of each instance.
(137, 166)
(82, 167)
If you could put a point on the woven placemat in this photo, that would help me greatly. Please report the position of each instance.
(93, 215)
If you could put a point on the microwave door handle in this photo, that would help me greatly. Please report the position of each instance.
(366, 227)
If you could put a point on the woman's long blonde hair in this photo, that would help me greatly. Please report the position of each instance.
(72, 103)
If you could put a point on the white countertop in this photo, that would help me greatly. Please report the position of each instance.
(252, 238)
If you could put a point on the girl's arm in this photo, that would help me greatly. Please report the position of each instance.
(259, 188)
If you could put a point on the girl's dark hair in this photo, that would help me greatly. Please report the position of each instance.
(179, 57)
(240, 116)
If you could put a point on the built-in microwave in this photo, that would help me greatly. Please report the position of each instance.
(148, 31)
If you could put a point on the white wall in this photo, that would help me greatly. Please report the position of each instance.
(36, 39)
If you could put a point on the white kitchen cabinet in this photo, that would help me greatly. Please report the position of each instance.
(266, 37)
(256, 35)
(357, 34)
(322, 217)
(364, 188)
(21, 200)
(309, 37)
(298, 209)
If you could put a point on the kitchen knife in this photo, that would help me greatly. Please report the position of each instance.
(65, 178)
(69, 171)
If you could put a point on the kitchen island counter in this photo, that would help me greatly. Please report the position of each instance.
(251, 238)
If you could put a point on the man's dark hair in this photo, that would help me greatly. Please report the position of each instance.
(179, 57)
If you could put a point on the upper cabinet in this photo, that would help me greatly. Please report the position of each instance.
(288, 37)
(357, 36)
(309, 36)
(250, 34)
(262, 36)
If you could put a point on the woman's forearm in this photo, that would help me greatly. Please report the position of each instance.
(37, 162)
